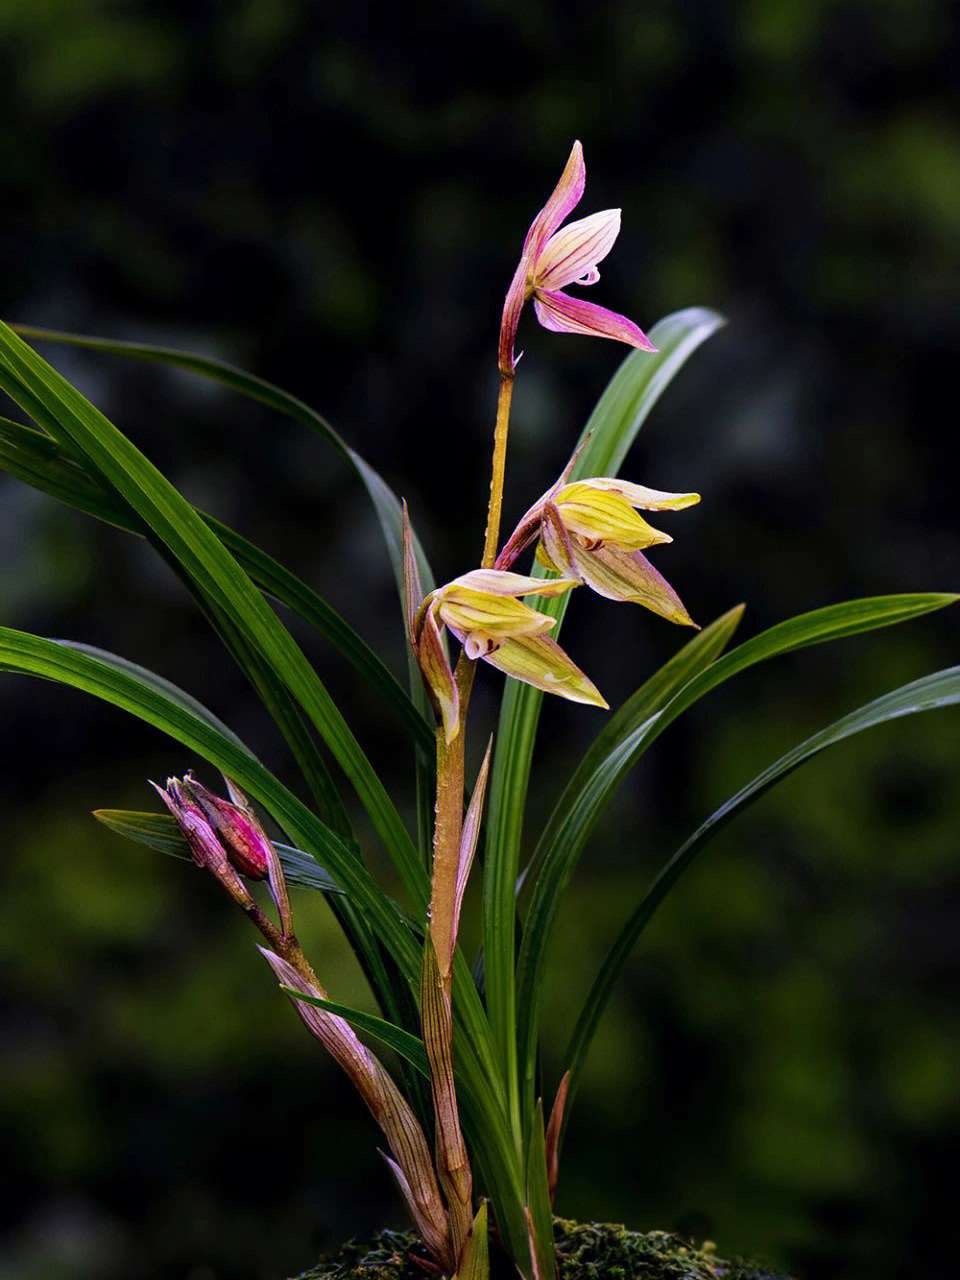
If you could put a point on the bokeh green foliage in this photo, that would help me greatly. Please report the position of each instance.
(778, 1069)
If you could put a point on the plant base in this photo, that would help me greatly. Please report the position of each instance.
(585, 1251)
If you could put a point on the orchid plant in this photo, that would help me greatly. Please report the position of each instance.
(472, 1141)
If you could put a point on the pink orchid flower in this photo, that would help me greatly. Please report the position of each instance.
(555, 256)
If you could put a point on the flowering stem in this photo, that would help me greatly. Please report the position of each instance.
(499, 462)
(436, 1004)
(453, 1165)
(446, 842)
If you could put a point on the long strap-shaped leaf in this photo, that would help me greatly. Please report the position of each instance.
(120, 683)
(272, 692)
(64, 412)
(608, 435)
(558, 849)
(385, 981)
(159, 831)
(627, 735)
(42, 463)
(384, 500)
(942, 689)
(160, 704)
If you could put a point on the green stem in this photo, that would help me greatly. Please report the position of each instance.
(499, 464)
(438, 1032)
(446, 845)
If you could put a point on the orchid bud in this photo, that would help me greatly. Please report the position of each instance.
(238, 830)
(222, 837)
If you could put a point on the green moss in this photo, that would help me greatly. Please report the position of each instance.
(585, 1251)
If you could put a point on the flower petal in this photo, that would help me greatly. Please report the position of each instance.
(512, 307)
(541, 557)
(602, 516)
(565, 198)
(557, 546)
(500, 582)
(562, 314)
(540, 661)
(466, 610)
(437, 675)
(576, 249)
(639, 495)
(629, 575)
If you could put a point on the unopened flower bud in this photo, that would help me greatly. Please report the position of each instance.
(222, 837)
(242, 837)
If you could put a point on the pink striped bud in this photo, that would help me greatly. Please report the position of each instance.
(214, 828)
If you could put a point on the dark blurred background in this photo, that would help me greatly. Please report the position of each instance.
(334, 196)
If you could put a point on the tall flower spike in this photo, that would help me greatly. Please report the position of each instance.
(555, 256)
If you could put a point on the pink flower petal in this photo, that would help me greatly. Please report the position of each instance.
(512, 307)
(573, 253)
(563, 314)
(566, 196)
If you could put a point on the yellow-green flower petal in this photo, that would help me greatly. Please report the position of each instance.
(464, 609)
(612, 572)
(437, 675)
(540, 661)
(500, 582)
(639, 495)
(601, 516)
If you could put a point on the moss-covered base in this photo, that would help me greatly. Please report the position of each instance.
(586, 1251)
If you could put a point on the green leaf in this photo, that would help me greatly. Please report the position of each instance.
(608, 435)
(942, 689)
(42, 463)
(593, 782)
(475, 1263)
(833, 622)
(385, 502)
(159, 831)
(538, 1197)
(119, 683)
(410, 1047)
(61, 410)
(630, 732)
